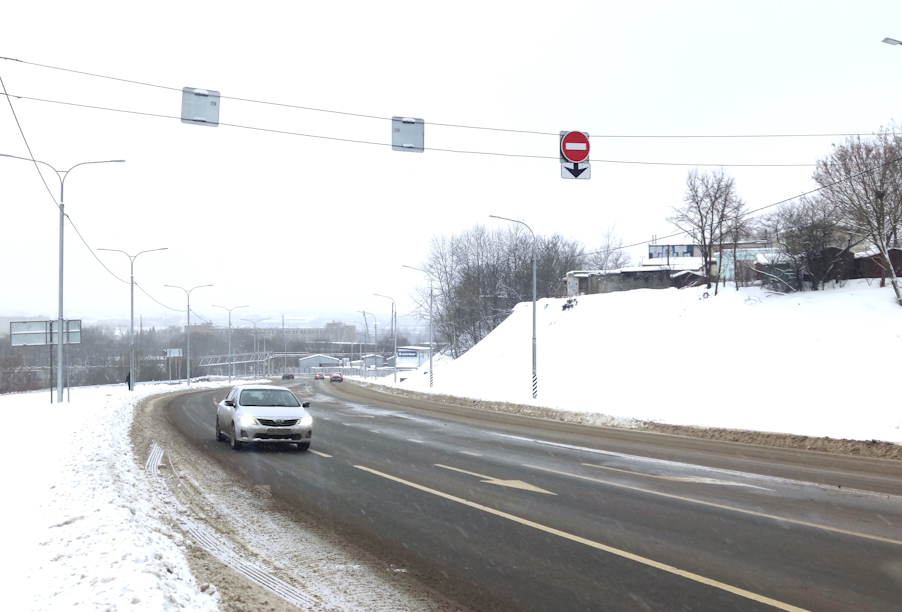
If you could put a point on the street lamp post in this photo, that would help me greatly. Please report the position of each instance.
(61, 176)
(394, 330)
(365, 337)
(231, 365)
(430, 318)
(131, 329)
(188, 294)
(255, 338)
(363, 357)
(535, 378)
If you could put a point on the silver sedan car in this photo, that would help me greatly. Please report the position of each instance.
(262, 413)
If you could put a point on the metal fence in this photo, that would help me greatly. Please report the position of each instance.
(368, 373)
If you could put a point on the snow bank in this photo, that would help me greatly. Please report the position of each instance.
(820, 363)
(81, 528)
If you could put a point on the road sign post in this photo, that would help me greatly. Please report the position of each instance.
(574, 152)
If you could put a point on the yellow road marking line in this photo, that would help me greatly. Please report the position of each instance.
(679, 478)
(468, 453)
(722, 506)
(319, 453)
(514, 484)
(609, 549)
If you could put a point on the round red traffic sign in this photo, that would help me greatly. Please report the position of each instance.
(575, 146)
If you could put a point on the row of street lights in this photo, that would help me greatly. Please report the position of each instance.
(62, 175)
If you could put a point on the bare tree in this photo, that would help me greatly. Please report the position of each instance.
(738, 226)
(480, 274)
(863, 179)
(709, 200)
(610, 254)
(813, 244)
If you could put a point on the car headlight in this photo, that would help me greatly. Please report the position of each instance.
(246, 420)
(306, 421)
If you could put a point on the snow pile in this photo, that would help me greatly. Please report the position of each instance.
(81, 529)
(819, 363)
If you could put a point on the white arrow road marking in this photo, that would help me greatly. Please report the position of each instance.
(513, 484)
(782, 519)
(698, 479)
(597, 545)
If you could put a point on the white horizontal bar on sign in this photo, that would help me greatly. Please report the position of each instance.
(575, 146)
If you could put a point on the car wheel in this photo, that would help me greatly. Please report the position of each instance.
(302, 446)
(233, 440)
(219, 436)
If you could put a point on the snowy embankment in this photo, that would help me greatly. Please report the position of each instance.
(81, 527)
(821, 363)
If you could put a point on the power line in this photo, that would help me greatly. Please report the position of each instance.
(450, 125)
(53, 198)
(385, 144)
(27, 146)
(755, 210)
(46, 186)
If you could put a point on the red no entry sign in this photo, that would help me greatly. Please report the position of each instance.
(575, 146)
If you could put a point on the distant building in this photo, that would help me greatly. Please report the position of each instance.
(201, 328)
(412, 357)
(317, 361)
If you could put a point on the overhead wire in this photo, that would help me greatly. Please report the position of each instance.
(386, 144)
(450, 125)
(57, 204)
(765, 207)
(27, 146)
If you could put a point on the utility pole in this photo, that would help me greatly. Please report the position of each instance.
(430, 317)
(231, 365)
(188, 294)
(131, 329)
(535, 378)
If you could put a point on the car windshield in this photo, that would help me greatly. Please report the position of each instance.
(268, 397)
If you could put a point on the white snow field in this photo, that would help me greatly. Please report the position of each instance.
(81, 529)
(820, 363)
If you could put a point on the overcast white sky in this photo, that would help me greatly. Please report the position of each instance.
(311, 227)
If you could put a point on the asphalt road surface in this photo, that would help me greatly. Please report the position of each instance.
(510, 513)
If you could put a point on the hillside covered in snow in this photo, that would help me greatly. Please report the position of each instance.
(821, 363)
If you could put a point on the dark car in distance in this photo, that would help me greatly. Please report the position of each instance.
(287, 376)
(319, 376)
(337, 377)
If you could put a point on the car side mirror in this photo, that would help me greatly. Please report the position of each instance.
(229, 402)
(305, 405)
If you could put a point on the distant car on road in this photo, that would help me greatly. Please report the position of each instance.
(319, 376)
(287, 376)
(337, 377)
(261, 413)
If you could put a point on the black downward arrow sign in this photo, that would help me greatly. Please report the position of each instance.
(576, 170)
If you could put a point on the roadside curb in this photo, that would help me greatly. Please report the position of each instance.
(871, 449)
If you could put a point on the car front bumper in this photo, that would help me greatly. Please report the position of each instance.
(277, 435)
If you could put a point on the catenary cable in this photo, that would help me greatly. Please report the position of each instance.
(450, 125)
(385, 144)
(759, 209)
(69, 218)
(27, 146)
